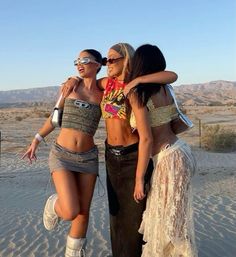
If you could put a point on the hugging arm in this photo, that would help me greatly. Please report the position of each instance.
(70, 85)
(145, 145)
(162, 77)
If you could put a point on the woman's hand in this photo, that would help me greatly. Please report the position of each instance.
(30, 153)
(139, 190)
(131, 85)
(70, 85)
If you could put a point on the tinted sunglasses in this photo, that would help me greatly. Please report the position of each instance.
(84, 60)
(105, 61)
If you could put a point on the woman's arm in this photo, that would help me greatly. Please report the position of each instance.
(162, 77)
(70, 85)
(46, 129)
(145, 145)
(43, 132)
(102, 82)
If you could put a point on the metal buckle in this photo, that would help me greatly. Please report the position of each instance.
(116, 152)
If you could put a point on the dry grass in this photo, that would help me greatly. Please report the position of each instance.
(217, 138)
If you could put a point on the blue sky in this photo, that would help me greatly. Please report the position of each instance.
(40, 39)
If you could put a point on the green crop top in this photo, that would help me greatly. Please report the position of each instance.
(157, 115)
(81, 115)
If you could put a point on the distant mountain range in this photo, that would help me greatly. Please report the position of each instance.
(23, 97)
(213, 93)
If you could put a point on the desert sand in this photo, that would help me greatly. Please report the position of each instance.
(24, 189)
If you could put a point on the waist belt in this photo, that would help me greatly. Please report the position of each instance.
(121, 150)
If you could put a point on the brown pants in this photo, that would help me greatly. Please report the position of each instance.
(125, 213)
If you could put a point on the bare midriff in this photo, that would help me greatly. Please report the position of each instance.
(162, 136)
(75, 140)
(119, 132)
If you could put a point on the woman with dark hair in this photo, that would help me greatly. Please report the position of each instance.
(122, 150)
(73, 158)
(167, 224)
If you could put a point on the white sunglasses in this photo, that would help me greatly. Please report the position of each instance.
(84, 60)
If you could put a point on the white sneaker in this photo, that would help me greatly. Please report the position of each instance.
(50, 218)
(75, 247)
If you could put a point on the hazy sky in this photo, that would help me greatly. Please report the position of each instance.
(40, 39)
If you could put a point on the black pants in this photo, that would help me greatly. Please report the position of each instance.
(125, 213)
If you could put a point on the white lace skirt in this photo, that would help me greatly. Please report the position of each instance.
(167, 224)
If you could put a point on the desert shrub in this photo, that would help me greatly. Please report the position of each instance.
(46, 114)
(41, 114)
(216, 138)
(18, 118)
(215, 103)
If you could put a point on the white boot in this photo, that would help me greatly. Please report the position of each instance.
(75, 247)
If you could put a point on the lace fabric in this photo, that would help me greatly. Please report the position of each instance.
(167, 225)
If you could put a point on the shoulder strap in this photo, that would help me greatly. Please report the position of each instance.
(58, 101)
(172, 93)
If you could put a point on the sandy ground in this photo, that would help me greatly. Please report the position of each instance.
(24, 189)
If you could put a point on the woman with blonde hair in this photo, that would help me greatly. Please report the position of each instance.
(122, 149)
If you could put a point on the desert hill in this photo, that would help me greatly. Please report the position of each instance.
(208, 94)
(213, 93)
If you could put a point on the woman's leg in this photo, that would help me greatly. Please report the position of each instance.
(125, 213)
(85, 186)
(67, 205)
(76, 240)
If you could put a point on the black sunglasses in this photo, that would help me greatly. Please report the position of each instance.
(105, 61)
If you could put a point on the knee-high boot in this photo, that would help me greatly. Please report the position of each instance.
(75, 247)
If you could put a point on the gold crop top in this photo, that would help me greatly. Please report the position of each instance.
(158, 115)
(114, 104)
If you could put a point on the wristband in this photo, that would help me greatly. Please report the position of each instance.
(38, 137)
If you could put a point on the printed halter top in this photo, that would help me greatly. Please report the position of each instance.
(114, 103)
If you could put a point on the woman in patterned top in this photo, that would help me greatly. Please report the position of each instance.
(122, 153)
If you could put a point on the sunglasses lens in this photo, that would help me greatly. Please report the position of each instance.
(84, 60)
(110, 61)
(113, 60)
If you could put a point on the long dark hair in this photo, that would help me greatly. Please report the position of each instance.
(147, 59)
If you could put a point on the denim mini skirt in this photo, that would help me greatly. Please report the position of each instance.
(61, 158)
